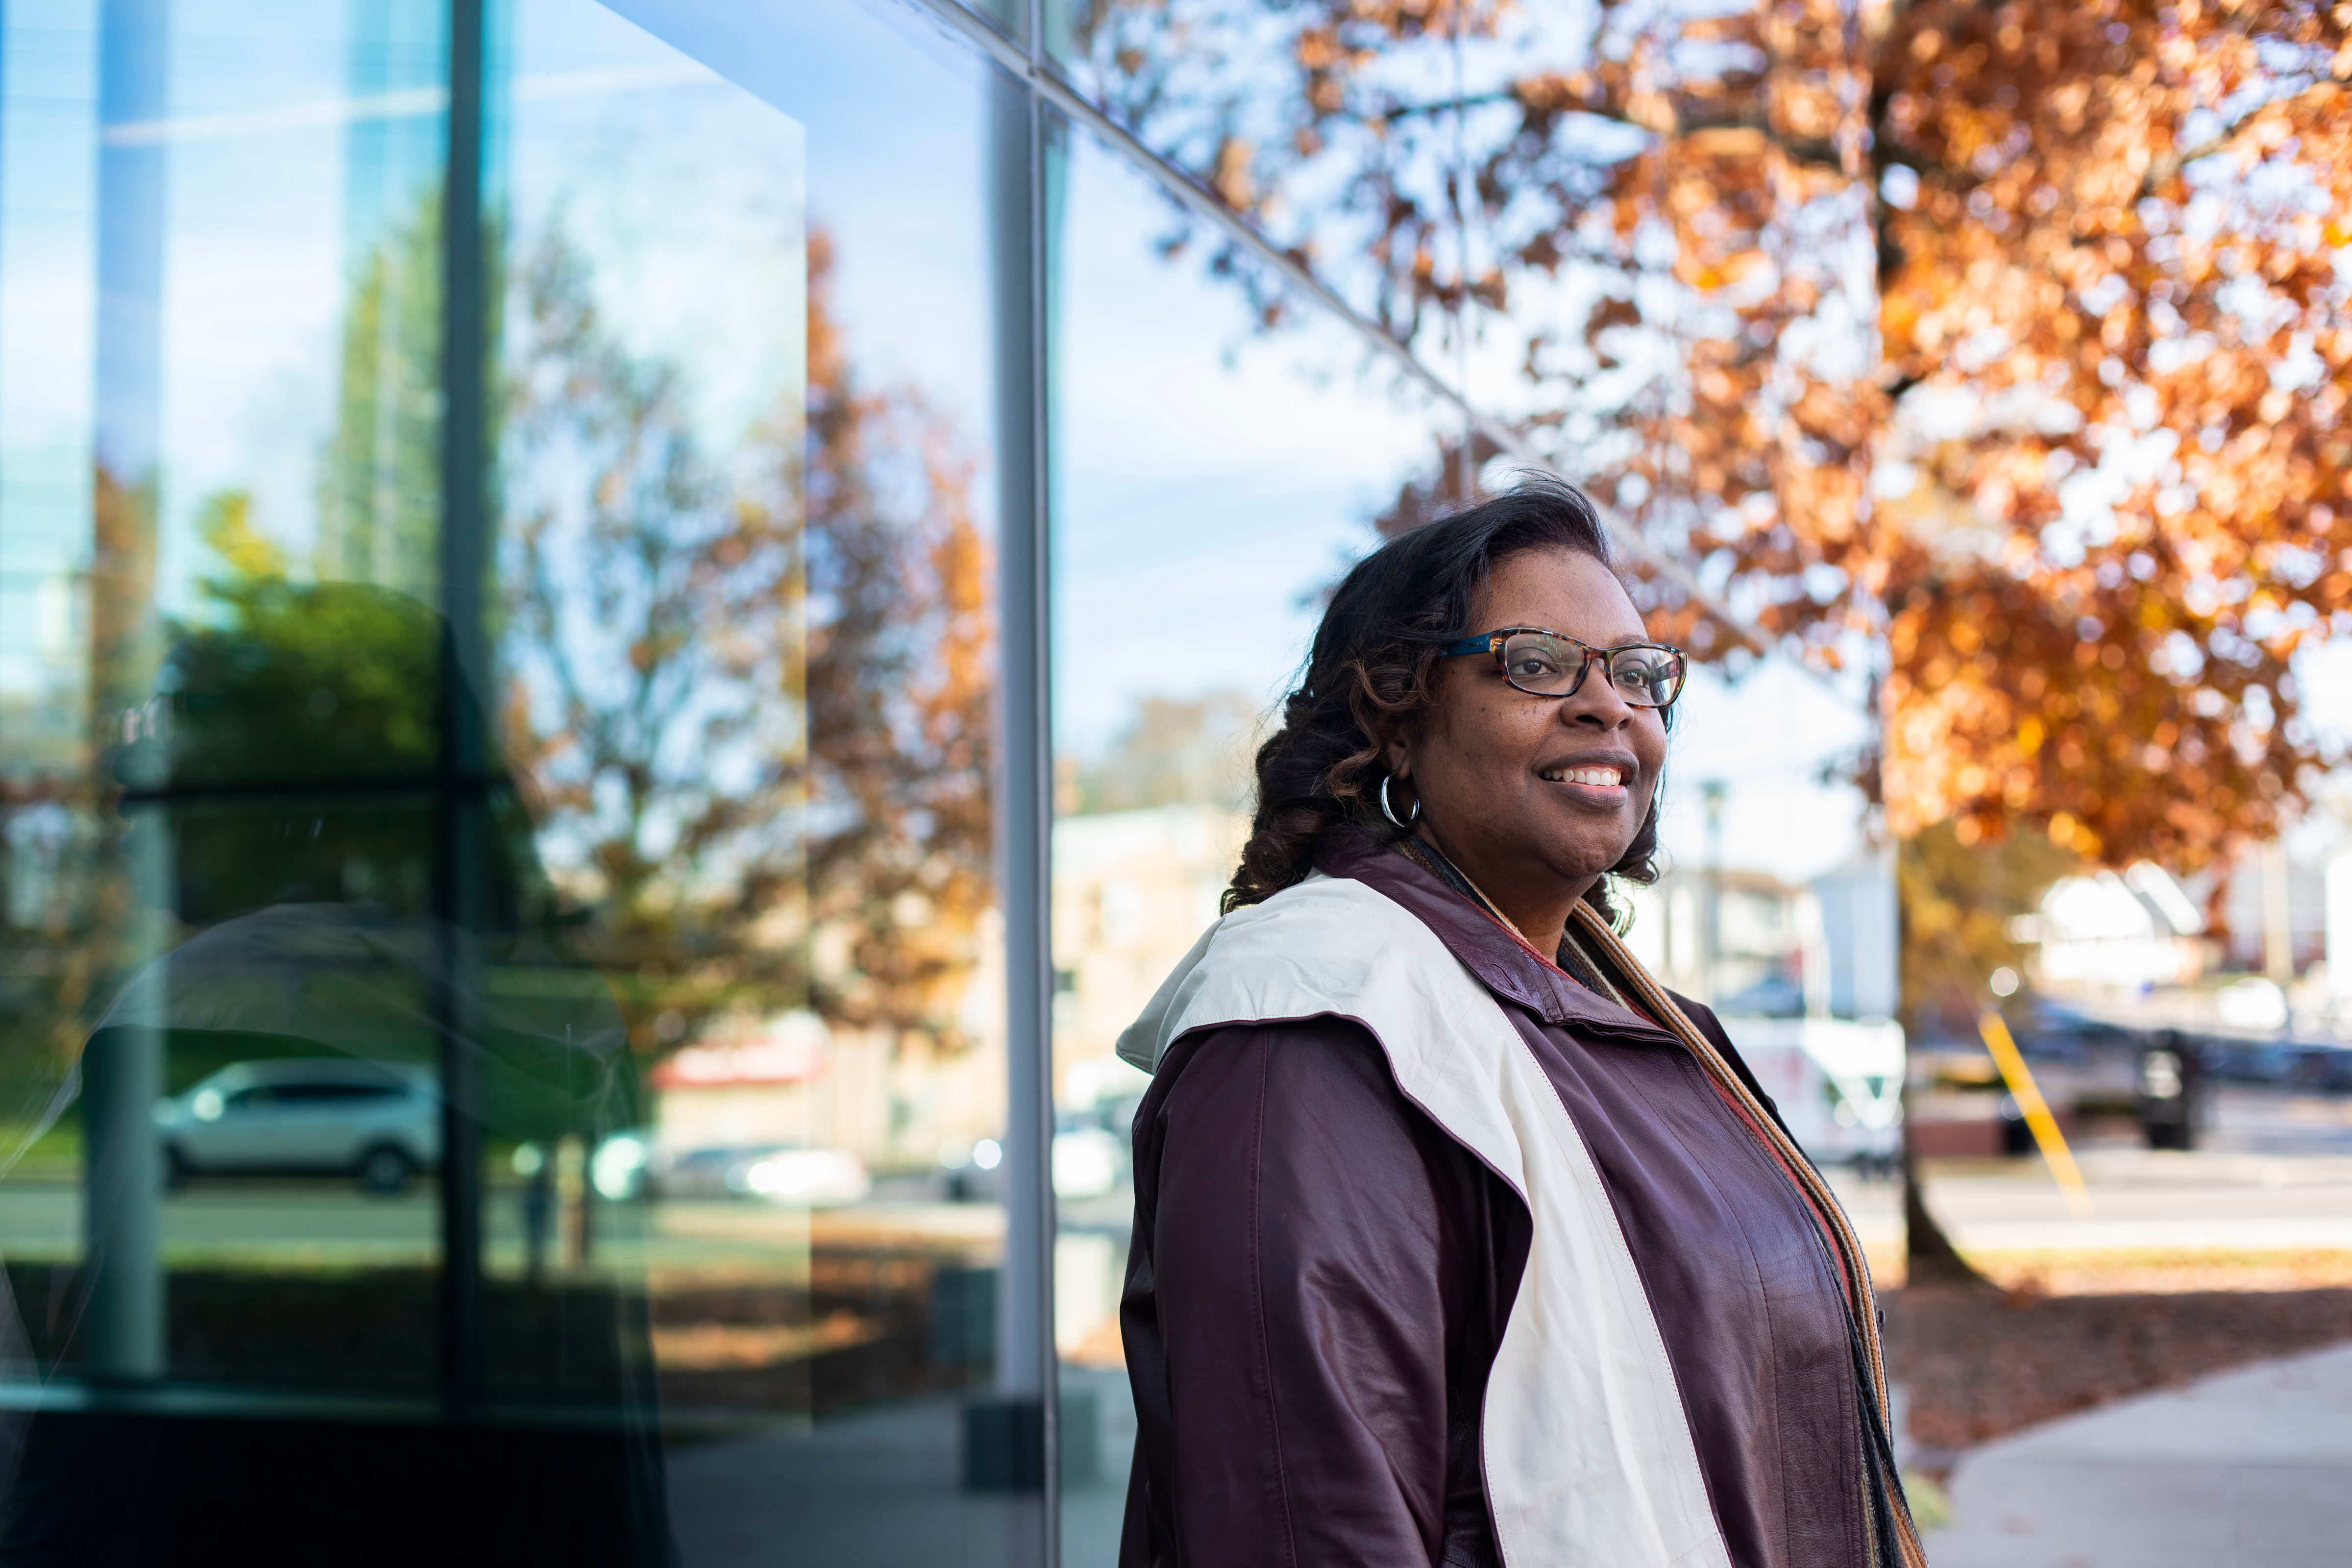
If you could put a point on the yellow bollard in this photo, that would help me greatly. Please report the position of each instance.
(2037, 1120)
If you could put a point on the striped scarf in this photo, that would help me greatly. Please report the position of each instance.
(1591, 954)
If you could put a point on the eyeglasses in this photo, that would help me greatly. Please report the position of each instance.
(1548, 664)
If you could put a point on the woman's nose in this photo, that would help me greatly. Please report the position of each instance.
(1599, 702)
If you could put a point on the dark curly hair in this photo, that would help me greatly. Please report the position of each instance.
(1370, 672)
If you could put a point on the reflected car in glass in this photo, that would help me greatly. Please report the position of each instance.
(376, 1121)
(816, 1178)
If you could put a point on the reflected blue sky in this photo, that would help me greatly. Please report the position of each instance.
(269, 102)
(1212, 479)
(894, 169)
(47, 309)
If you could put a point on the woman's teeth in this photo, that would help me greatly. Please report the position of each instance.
(1586, 775)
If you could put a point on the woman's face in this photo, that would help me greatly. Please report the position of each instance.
(1536, 797)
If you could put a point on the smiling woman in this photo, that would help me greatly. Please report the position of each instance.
(1469, 1240)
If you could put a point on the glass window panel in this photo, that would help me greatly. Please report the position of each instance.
(1335, 134)
(586, 1017)
(220, 433)
(746, 581)
(1212, 478)
(227, 722)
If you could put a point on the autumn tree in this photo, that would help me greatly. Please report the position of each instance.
(2004, 346)
(901, 676)
(749, 692)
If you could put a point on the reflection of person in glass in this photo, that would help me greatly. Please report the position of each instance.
(358, 936)
(1458, 1238)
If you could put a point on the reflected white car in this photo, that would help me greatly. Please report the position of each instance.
(379, 1121)
(619, 1167)
(1088, 1163)
(812, 1177)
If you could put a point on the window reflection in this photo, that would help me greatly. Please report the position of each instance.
(507, 1044)
(749, 632)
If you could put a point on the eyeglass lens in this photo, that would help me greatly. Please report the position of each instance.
(1551, 667)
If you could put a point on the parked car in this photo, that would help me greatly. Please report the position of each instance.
(1776, 995)
(376, 1121)
(1088, 1163)
(1089, 1157)
(2241, 1060)
(2322, 1070)
(2051, 1031)
(620, 1167)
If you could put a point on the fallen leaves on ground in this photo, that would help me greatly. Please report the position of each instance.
(1980, 1362)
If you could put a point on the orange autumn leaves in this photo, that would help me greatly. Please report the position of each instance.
(2005, 345)
(1996, 708)
(2150, 510)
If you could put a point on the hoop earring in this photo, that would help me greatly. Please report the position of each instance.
(1387, 810)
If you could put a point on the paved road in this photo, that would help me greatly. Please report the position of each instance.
(2274, 1174)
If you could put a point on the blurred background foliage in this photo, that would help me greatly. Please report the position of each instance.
(741, 736)
(1958, 899)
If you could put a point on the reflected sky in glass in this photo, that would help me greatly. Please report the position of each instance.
(1212, 479)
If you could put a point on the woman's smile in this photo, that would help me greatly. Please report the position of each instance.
(1598, 779)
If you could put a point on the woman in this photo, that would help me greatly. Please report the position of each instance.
(1458, 1240)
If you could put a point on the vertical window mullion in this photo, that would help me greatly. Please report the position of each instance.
(465, 704)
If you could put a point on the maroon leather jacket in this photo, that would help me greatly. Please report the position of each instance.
(1320, 1278)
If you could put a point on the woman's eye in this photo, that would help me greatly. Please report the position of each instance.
(1652, 679)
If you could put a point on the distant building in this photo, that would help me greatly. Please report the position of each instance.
(2122, 931)
(788, 1080)
(1805, 981)
(2273, 910)
(1747, 943)
(1133, 890)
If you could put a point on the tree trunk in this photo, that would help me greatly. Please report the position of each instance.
(1928, 1256)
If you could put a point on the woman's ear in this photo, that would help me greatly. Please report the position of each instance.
(1396, 759)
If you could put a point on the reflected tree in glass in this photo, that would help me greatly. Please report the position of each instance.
(753, 695)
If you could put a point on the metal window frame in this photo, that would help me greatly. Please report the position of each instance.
(460, 808)
(1027, 1369)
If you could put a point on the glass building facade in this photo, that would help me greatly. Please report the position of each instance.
(628, 635)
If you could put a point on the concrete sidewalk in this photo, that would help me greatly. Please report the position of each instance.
(2247, 1469)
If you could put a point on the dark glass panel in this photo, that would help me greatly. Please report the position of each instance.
(746, 587)
(505, 1029)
